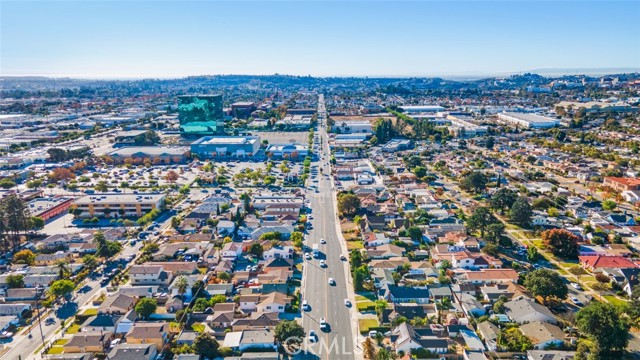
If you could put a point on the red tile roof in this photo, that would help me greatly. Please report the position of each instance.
(599, 261)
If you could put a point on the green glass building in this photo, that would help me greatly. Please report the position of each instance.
(200, 115)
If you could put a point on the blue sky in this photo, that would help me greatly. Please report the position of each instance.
(374, 38)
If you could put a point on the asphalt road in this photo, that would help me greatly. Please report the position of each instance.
(22, 348)
(326, 301)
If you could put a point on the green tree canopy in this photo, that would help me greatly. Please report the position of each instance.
(561, 242)
(603, 324)
(547, 284)
(145, 307)
(62, 287)
(521, 212)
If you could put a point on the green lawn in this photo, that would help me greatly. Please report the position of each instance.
(73, 329)
(197, 327)
(614, 300)
(354, 245)
(90, 312)
(365, 305)
(60, 342)
(366, 295)
(55, 350)
(365, 324)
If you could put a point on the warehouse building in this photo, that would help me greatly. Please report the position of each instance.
(528, 121)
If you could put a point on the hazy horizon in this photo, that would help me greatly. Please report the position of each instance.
(170, 39)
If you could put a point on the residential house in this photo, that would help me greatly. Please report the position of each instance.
(117, 304)
(598, 262)
(403, 294)
(156, 333)
(149, 275)
(231, 251)
(88, 342)
(490, 333)
(256, 320)
(133, 352)
(251, 339)
(543, 334)
(405, 338)
(526, 310)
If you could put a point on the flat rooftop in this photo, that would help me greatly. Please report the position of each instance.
(151, 150)
(532, 118)
(222, 140)
(113, 198)
(40, 205)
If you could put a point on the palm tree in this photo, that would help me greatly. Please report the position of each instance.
(368, 350)
(181, 285)
(63, 269)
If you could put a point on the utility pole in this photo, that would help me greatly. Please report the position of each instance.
(38, 294)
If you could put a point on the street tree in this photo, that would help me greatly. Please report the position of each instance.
(521, 212)
(561, 242)
(475, 181)
(348, 204)
(62, 287)
(480, 220)
(503, 199)
(547, 284)
(603, 324)
(289, 333)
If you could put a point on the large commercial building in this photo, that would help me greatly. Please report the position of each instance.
(225, 146)
(528, 121)
(413, 109)
(287, 151)
(200, 115)
(117, 205)
(153, 154)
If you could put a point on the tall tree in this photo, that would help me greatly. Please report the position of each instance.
(368, 349)
(561, 242)
(206, 346)
(181, 284)
(17, 217)
(348, 203)
(503, 198)
(521, 212)
(475, 181)
(547, 284)
(604, 325)
(289, 333)
(480, 219)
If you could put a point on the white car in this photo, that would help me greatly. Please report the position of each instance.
(343, 258)
(305, 305)
(307, 256)
(322, 241)
(576, 286)
(323, 322)
(347, 302)
(312, 336)
(332, 281)
(323, 264)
